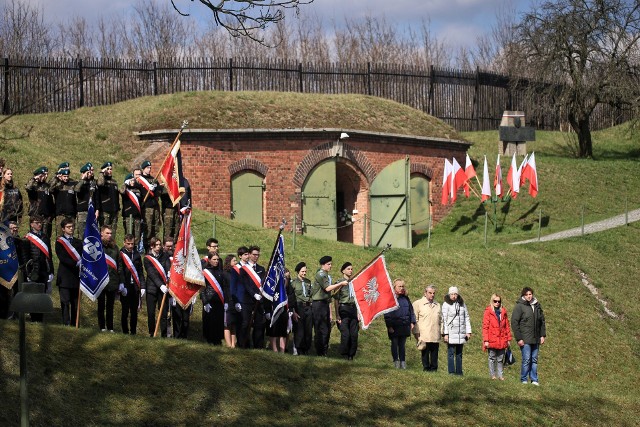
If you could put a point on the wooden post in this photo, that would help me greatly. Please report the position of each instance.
(293, 232)
(364, 232)
(582, 220)
(486, 223)
(539, 223)
(429, 234)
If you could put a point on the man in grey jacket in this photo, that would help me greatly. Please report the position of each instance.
(528, 326)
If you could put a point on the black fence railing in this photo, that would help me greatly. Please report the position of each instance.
(467, 100)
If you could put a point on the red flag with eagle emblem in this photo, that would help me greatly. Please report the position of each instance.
(185, 277)
(171, 174)
(373, 291)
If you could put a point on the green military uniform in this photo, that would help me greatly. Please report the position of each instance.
(303, 328)
(320, 307)
(348, 325)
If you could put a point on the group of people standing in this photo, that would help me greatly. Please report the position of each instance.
(431, 322)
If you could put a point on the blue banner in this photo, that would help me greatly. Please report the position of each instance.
(94, 275)
(274, 287)
(8, 258)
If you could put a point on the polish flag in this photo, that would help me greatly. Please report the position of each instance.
(521, 169)
(470, 172)
(486, 187)
(513, 178)
(531, 173)
(459, 179)
(446, 181)
(497, 181)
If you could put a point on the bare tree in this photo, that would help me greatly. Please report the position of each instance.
(584, 50)
(23, 31)
(247, 18)
(76, 38)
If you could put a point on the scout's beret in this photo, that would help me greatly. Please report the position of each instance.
(106, 165)
(299, 266)
(63, 172)
(145, 164)
(128, 177)
(87, 167)
(41, 170)
(325, 259)
(345, 265)
(62, 166)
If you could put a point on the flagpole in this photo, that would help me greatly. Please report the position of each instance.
(164, 299)
(386, 248)
(282, 224)
(184, 125)
(78, 309)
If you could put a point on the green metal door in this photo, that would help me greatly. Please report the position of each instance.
(319, 202)
(390, 207)
(246, 198)
(419, 203)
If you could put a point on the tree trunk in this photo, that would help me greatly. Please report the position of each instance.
(582, 127)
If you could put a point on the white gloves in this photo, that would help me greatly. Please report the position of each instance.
(164, 289)
(238, 307)
(226, 306)
(207, 308)
(152, 187)
(142, 292)
(78, 263)
(123, 290)
(267, 316)
(258, 297)
(50, 279)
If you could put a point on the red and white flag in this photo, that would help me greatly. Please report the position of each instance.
(374, 292)
(470, 171)
(486, 187)
(497, 180)
(185, 277)
(446, 181)
(521, 169)
(171, 174)
(513, 178)
(530, 173)
(459, 179)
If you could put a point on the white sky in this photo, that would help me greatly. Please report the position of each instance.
(458, 22)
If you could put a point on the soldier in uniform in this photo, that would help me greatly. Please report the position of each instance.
(347, 315)
(131, 208)
(41, 200)
(64, 194)
(149, 193)
(131, 279)
(321, 295)
(12, 203)
(109, 198)
(302, 315)
(41, 268)
(69, 252)
(86, 189)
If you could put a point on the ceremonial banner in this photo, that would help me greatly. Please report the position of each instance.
(94, 275)
(274, 287)
(185, 277)
(374, 292)
(8, 258)
(171, 174)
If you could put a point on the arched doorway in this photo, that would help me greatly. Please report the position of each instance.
(420, 209)
(247, 189)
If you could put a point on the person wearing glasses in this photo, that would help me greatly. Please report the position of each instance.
(496, 335)
(109, 198)
(529, 330)
(456, 328)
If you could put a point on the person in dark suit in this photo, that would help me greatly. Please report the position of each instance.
(157, 266)
(41, 267)
(131, 279)
(68, 250)
(244, 299)
(259, 319)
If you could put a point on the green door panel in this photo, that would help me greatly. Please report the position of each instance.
(390, 207)
(319, 202)
(246, 198)
(419, 203)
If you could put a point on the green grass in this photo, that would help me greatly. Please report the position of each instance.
(588, 367)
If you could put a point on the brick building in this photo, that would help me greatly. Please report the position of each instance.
(366, 186)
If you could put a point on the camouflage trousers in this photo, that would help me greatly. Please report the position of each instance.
(132, 226)
(170, 225)
(81, 221)
(151, 226)
(110, 219)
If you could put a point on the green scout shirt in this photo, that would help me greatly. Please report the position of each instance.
(302, 289)
(344, 296)
(320, 284)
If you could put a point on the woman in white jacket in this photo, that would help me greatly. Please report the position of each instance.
(456, 328)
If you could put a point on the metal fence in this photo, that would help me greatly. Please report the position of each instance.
(467, 100)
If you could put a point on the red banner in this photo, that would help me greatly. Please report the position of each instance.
(374, 292)
(185, 277)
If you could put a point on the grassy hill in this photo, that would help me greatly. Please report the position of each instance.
(588, 367)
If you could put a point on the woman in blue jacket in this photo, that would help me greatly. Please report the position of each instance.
(400, 324)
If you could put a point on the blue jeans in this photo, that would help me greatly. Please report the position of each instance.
(454, 358)
(529, 367)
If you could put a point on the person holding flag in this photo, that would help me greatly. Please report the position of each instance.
(347, 314)
(107, 297)
(150, 196)
(321, 295)
(41, 266)
(277, 291)
(131, 278)
(213, 301)
(68, 250)
(156, 264)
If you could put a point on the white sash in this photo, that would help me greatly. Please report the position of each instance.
(110, 261)
(158, 266)
(130, 267)
(69, 248)
(255, 278)
(134, 199)
(211, 279)
(39, 243)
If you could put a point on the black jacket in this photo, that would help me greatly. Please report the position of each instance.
(40, 199)
(527, 321)
(41, 265)
(208, 294)
(12, 206)
(154, 279)
(109, 194)
(125, 274)
(65, 197)
(68, 270)
(86, 188)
